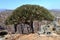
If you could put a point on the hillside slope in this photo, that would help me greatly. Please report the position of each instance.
(3, 15)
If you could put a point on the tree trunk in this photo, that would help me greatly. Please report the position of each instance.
(31, 24)
(15, 27)
(22, 28)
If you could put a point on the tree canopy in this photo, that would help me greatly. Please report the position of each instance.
(29, 12)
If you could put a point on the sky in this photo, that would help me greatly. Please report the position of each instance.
(13, 4)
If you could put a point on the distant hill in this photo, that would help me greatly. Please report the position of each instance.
(55, 12)
(2, 10)
(3, 15)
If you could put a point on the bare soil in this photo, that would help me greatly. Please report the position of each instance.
(31, 37)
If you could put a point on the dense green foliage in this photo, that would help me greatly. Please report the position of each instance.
(29, 12)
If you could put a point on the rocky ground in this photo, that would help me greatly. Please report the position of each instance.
(31, 37)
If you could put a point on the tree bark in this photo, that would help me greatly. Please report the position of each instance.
(15, 27)
(22, 28)
(31, 24)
